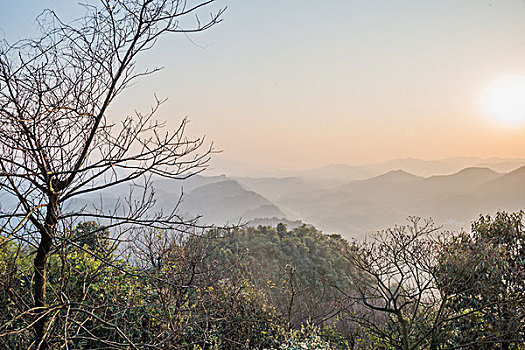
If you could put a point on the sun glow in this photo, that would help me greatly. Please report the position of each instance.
(504, 100)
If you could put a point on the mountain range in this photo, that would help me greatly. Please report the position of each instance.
(346, 172)
(357, 207)
(342, 199)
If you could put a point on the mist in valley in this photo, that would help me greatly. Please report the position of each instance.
(353, 201)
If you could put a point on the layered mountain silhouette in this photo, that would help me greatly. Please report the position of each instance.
(359, 206)
(349, 206)
(346, 173)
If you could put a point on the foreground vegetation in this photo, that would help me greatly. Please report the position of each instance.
(410, 287)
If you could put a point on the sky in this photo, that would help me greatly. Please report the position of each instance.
(302, 83)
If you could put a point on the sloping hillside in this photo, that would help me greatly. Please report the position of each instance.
(227, 202)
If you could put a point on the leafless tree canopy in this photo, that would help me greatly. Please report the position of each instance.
(56, 141)
(396, 293)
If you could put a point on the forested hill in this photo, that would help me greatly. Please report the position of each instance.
(299, 269)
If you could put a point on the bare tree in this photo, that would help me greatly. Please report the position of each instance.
(57, 143)
(397, 297)
(212, 295)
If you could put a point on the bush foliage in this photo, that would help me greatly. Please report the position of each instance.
(273, 288)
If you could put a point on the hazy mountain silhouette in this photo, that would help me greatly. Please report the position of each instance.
(336, 172)
(352, 209)
(361, 206)
(227, 202)
(392, 176)
(445, 166)
(349, 172)
(466, 177)
(187, 185)
(274, 188)
(387, 199)
(461, 182)
(507, 191)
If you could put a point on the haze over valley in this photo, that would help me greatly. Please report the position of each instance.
(354, 200)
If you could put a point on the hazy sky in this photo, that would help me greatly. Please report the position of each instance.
(306, 83)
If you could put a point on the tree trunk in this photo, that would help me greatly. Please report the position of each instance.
(40, 262)
(404, 331)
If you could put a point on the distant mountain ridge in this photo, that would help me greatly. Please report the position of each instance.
(350, 172)
(394, 176)
(365, 205)
(351, 207)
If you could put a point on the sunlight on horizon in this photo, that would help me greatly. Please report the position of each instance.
(504, 100)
